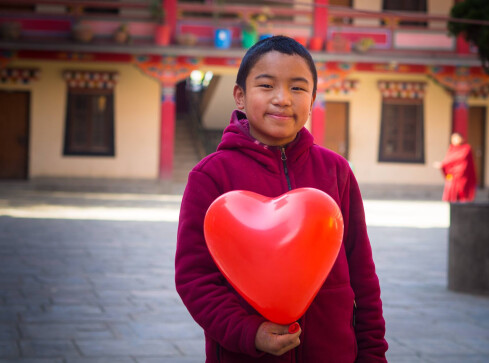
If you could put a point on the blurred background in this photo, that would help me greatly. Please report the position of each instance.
(106, 105)
(142, 89)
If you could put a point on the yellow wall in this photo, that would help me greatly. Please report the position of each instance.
(439, 7)
(364, 132)
(137, 127)
(364, 128)
(136, 122)
(370, 5)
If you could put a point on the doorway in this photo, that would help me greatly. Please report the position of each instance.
(336, 130)
(14, 131)
(476, 137)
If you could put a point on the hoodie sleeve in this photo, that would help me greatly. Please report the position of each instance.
(200, 284)
(370, 324)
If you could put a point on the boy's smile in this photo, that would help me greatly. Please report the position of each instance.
(278, 97)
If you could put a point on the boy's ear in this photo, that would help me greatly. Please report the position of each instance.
(239, 97)
(312, 103)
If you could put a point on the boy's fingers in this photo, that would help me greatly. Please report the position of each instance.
(285, 343)
(294, 328)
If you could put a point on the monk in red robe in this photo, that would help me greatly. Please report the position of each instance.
(459, 171)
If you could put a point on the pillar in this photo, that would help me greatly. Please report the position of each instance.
(318, 118)
(320, 19)
(171, 16)
(167, 131)
(460, 113)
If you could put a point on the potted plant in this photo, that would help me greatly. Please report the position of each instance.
(162, 30)
(187, 39)
(82, 32)
(363, 45)
(338, 44)
(263, 20)
(249, 31)
(121, 34)
(10, 30)
(316, 43)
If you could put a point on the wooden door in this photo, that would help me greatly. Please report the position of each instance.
(336, 130)
(14, 130)
(476, 138)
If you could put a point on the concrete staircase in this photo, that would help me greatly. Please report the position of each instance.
(185, 153)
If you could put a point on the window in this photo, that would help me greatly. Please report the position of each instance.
(339, 20)
(89, 115)
(407, 5)
(401, 138)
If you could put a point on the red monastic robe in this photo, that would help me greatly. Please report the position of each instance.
(460, 179)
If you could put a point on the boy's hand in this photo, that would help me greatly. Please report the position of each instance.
(275, 339)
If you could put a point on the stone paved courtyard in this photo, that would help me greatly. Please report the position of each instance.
(88, 278)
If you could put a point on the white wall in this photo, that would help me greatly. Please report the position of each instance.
(136, 99)
(364, 132)
(221, 105)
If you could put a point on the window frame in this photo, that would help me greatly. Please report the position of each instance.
(420, 132)
(422, 7)
(90, 150)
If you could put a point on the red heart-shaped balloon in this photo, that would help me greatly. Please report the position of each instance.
(276, 252)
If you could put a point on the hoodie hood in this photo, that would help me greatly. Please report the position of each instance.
(237, 136)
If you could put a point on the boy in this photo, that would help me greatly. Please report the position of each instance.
(266, 149)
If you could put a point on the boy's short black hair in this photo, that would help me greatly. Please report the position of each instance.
(280, 44)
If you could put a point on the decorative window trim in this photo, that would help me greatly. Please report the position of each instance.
(481, 92)
(402, 89)
(344, 87)
(90, 83)
(90, 79)
(14, 75)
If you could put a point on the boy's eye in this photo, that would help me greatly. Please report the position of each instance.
(297, 88)
(265, 85)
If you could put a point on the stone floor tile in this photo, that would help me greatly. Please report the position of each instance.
(106, 359)
(32, 360)
(85, 291)
(124, 348)
(8, 349)
(48, 348)
(62, 330)
(8, 332)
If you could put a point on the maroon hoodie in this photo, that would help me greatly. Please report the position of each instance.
(333, 329)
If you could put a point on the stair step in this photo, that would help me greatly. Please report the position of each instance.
(185, 155)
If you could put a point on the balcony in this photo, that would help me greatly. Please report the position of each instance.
(349, 34)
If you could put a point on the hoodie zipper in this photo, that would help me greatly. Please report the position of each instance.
(289, 186)
(286, 170)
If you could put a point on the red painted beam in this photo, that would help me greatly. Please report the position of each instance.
(83, 3)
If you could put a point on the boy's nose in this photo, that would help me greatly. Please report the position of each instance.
(282, 97)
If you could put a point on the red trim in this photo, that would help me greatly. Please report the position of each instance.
(53, 25)
(167, 129)
(62, 56)
(401, 68)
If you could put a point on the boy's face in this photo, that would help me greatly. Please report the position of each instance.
(278, 97)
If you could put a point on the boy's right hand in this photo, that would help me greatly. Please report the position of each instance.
(275, 339)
